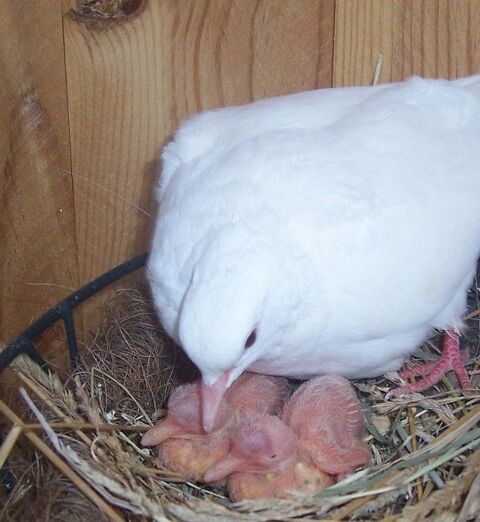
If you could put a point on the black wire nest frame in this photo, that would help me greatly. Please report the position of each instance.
(24, 343)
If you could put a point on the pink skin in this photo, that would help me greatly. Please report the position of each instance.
(183, 417)
(327, 418)
(433, 372)
(259, 444)
(183, 444)
(258, 394)
(250, 393)
(301, 477)
(265, 460)
(194, 456)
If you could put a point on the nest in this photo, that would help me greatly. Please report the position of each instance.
(426, 447)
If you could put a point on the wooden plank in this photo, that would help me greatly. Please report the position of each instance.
(130, 82)
(431, 38)
(37, 231)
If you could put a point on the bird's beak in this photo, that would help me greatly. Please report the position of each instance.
(223, 468)
(212, 395)
(161, 432)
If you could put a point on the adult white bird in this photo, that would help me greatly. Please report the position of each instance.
(328, 231)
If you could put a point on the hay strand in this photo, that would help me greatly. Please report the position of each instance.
(8, 443)
(425, 447)
(58, 462)
(78, 425)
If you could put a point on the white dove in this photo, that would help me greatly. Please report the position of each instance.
(328, 231)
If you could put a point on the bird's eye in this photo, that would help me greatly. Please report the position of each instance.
(251, 339)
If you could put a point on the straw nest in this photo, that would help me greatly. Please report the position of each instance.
(426, 448)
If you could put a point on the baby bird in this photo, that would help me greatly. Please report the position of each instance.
(192, 457)
(183, 444)
(183, 416)
(265, 460)
(327, 418)
(251, 392)
(257, 394)
(302, 477)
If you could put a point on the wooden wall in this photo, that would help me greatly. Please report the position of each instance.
(86, 105)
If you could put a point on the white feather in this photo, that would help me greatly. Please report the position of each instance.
(342, 224)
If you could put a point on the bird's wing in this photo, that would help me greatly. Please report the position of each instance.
(387, 195)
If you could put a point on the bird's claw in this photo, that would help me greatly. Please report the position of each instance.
(396, 392)
(432, 372)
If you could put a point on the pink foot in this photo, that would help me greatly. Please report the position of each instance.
(432, 372)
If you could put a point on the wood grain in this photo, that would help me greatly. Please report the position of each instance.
(431, 38)
(99, 98)
(131, 82)
(38, 258)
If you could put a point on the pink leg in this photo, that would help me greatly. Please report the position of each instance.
(421, 369)
(433, 372)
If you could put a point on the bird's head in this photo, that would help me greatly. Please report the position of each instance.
(225, 322)
(259, 444)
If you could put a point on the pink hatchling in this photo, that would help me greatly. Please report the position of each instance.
(265, 460)
(327, 417)
(183, 444)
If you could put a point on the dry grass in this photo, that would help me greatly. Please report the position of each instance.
(43, 494)
(129, 364)
(427, 460)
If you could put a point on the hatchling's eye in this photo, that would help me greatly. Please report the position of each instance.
(251, 339)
